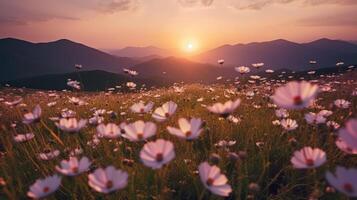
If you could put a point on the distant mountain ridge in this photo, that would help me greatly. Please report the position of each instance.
(281, 53)
(141, 52)
(21, 59)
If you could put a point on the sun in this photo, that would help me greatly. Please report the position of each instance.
(190, 47)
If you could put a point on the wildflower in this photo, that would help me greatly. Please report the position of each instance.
(188, 129)
(288, 124)
(224, 109)
(108, 131)
(23, 137)
(295, 95)
(33, 116)
(71, 125)
(158, 153)
(73, 167)
(344, 180)
(213, 180)
(44, 187)
(308, 158)
(165, 111)
(141, 107)
(108, 180)
(341, 103)
(139, 130)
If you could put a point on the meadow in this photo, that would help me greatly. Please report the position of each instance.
(250, 146)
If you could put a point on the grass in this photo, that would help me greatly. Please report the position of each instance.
(267, 165)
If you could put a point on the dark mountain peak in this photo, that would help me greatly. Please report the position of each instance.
(10, 40)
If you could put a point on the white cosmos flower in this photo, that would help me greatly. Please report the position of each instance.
(23, 137)
(141, 107)
(165, 111)
(49, 155)
(242, 69)
(258, 65)
(44, 187)
(295, 95)
(139, 130)
(282, 113)
(341, 103)
(73, 167)
(33, 116)
(71, 125)
(308, 158)
(158, 153)
(213, 180)
(108, 180)
(188, 129)
(313, 118)
(344, 180)
(349, 133)
(108, 131)
(289, 124)
(224, 109)
(325, 113)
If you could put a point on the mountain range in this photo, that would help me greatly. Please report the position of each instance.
(284, 54)
(141, 52)
(20, 59)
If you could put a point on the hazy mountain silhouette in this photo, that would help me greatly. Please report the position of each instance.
(178, 69)
(95, 80)
(142, 52)
(20, 59)
(283, 54)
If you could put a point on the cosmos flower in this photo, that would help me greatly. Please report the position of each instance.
(282, 113)
(295, 95)
(139, 130)
(158, 153)
(333, 125)
(344, 180)
(13, 103)
(188, 129)
(108, 180)
(44, 187)
(224, 109)
(258, 65)
(213, 180)
(73, 167)
(341, 103)
(325, 113)
(33, 116)
(289, 124)
(49, 155)
(23, 137)
(349, 133)
(242, 69)
(165, 111)
(108, 131)
(342, 145)
(71, 125)
(131, 85)
(141, 107)
(308, 158)
(313, 118)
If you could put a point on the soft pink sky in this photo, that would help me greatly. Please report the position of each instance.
(111, 24)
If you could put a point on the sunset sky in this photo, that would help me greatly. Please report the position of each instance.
(112, 24)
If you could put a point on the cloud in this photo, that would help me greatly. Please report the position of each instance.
(19, 12)
(114, 6)
(191, 3)
(260, 4)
